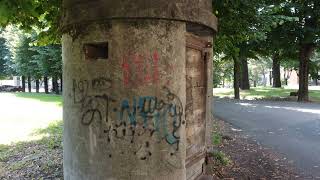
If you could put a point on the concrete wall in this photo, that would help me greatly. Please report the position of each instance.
(124, 115)
(124, 65)
(80, 12)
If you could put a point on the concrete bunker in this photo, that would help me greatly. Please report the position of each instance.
(137, 88)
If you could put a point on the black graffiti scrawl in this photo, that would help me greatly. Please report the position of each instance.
(158, 118)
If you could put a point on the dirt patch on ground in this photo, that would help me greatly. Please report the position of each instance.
(246, 159)
(32, 160)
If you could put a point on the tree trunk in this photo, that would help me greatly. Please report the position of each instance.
(254, 83)
(270, 78)
(61, 83)
(37, 85)
(245, 83)
(286, 81)
(276, 71)
(29, 84)
(317, 78)
(306, 51)
(240, 77)
(55, 85)
(23, 83)
(46, 88)
(236, 82)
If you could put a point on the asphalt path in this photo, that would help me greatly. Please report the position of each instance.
(290, 128)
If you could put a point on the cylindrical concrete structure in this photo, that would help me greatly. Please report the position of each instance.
(124, 65)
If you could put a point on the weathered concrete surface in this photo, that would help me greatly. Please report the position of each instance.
(125, 89)
(124, 115)
(192, 11)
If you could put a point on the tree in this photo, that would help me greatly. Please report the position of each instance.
(245, 83)
(36, 62)
(276, 74)
(309, 18)
(5, 60)
(36, 73)
(222, 71)
(253, 20)
(233, 32)
(12, 36)
(248, 50)
(49, 60)
(277, 44)
(315, 67)
(304, 34)
(55, 62)
(258, 70)
(289, 65)
(40, 57)
(25, 65)
(42, 15)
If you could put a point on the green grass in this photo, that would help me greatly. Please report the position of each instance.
(220, 157)
(20, 156)
(31, 135)
(216, 138)
(265, 93)
(52, 135)
(51, 138)
(315, 95)
(22, 113)
(54, 130)
(48, 98)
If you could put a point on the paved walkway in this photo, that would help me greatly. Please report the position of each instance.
(290, 128)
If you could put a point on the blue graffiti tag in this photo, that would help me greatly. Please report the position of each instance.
(165, 115)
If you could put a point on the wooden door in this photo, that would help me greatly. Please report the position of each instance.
(196, 70)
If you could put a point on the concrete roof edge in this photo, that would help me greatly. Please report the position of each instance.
(92, 11)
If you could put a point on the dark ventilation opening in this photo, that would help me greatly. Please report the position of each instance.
(95, 51)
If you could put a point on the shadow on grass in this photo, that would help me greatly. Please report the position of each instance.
(52, 135)
(315, 95)
(50, 98)
(40, 159)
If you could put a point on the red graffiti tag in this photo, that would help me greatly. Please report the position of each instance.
(155, 66)
(140, 69)
(126, 71)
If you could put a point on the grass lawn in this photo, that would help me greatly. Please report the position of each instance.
(48, 98)
(30, 136)
(264, 93)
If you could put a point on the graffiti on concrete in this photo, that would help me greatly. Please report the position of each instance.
(154, 114)
(140, 69)
(138, 120)
(101, 84)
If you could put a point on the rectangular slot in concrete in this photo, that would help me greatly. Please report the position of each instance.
(95, 51)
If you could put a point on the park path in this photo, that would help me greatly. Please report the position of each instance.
(290, 128)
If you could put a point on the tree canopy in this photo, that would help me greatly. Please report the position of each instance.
(5, 59)
(286, 31)
(40, 15)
